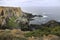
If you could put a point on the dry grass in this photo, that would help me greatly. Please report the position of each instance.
(51, 37)
(15, 34)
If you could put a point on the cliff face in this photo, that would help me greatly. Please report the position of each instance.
(13, 11)
(8, 12)
(14, 16)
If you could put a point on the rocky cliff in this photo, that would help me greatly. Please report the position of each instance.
(8, 12)
(14, 17)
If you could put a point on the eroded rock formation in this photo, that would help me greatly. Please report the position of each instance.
(8, 12)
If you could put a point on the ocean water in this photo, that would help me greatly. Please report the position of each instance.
(48, 13)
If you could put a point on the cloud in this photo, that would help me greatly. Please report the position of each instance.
(12, 2)
(15, 0)
(27, 3)
(43, 3)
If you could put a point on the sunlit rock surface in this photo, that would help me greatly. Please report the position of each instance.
(8, 12)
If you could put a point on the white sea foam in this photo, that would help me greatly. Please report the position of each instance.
(45, 16)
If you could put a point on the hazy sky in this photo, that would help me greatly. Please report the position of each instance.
(27, 3)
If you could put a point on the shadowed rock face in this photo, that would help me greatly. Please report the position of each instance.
(29, 16)
(52, 23)
(7, 12)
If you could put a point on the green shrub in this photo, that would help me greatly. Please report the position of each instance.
(56, 30)
(11, 23)
(44, 31)
(36, 33)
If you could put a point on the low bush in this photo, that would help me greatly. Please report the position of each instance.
(11, 23)
(44, 31)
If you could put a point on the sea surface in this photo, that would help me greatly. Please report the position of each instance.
(48, 13)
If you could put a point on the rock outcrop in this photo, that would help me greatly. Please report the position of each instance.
(8, 12)
(52, 23)
(29, 16)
